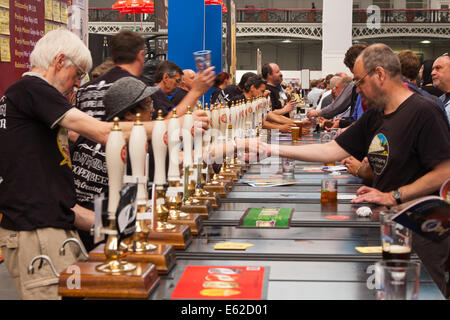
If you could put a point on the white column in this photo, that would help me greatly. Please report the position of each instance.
(337, 35)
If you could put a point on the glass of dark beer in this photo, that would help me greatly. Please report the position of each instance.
(395, 238)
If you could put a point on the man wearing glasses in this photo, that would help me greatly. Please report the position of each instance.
(405, 138)
(37, 194)
(168, 76)
(441, 80)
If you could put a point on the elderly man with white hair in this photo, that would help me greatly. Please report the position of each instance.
(37, 195)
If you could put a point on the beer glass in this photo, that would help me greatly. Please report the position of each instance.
(295, 133)
(202, 59)
(334, 133)
(288, 167)
(395, 239)
(328, 192)
(397, 280)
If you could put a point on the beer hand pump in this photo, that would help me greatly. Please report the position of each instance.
(200, 193)
(191, 204)
(167, 232)
(213, 184)
(159, 140)
(139, 166)
(115, 163)
(173, 197)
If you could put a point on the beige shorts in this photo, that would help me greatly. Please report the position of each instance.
(20, 247)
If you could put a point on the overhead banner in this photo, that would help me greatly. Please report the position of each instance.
(22, 24)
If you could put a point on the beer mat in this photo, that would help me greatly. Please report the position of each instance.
(337, 217)
(339, 177)
(222, 282)
(232, 246)
(265, 183)
(369, 249)
(266, 218)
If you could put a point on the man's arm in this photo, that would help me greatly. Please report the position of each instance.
(277, 126)
(423, 186)
(273, 117)
(97, 130)
(326, 152)
(84, 218)
(339, 105)
(286, 109)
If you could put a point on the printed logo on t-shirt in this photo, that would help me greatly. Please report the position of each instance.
(378, 153)
(3, 113)
(62, 139)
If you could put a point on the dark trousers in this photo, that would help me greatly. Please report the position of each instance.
(434, 256)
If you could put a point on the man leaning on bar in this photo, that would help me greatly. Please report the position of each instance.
(405, 138)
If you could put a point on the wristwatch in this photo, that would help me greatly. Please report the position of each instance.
(397, 195)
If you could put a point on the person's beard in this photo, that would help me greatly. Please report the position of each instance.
(379, 100)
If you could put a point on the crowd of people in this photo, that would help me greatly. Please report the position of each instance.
(53, 143)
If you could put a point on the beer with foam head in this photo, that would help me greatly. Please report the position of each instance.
(396, 252)
(295, 133)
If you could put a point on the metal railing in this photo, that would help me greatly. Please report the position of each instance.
(291, 16)
(109, 15)
(405, 16)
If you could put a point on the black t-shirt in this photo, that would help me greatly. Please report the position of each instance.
(401, 146)
(215, 95)
(161, 102)
(275, 97)
(178, 96)
(90, 95)
(90, 174)
(231, 93)
(36, 185)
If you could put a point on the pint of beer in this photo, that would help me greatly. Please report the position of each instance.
(328, 192)
(295, 133)
(395, 238)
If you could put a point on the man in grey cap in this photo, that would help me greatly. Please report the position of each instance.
(124, 99)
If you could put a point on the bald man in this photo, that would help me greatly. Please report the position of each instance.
(186, 84)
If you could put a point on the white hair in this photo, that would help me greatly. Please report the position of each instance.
(59, 41)
(334, 81)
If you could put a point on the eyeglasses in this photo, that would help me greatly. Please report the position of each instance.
(178, 80)
(358, 82)
(80, 73)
